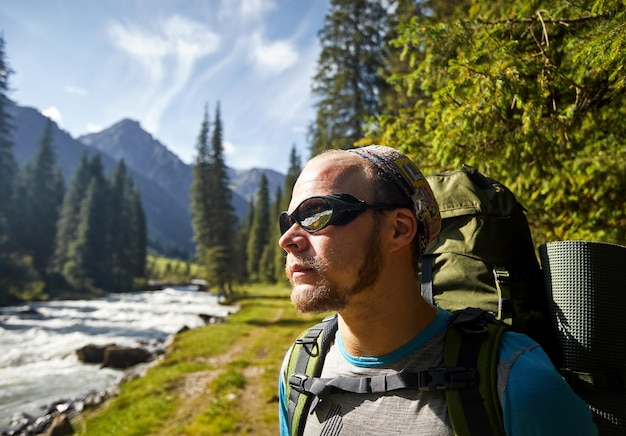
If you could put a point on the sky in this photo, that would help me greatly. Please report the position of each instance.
(88, 64)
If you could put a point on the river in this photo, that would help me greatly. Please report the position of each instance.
(38, 342)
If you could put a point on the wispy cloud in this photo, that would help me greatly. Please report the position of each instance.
(75, 90)
(272, 57)
(168, 53)
(245, 10)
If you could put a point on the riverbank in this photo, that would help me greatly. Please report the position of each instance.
(214, 380)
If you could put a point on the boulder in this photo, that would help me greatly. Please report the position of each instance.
(124, 357)
(92, 353)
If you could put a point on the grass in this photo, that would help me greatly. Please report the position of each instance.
(215, 380)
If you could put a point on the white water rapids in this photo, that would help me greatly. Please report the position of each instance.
(38, 342)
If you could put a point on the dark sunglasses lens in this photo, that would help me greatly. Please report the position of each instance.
(314, 214)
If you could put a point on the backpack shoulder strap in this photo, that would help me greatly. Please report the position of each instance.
(306, 358)
(472, 341)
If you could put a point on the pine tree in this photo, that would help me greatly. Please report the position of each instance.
(86, 267)
(200, 192)
(240, 263)
(40, 186)
(69, 214)
(295, 167)
(224, 219)
(269, 265)
(120, 231)
(82, 249)
(8, 167)
(259, 232)
(213, 214)
(139, 232)
(349, 79)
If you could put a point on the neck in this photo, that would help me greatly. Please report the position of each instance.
(381, 320)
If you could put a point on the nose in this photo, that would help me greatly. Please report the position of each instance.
(293, 239)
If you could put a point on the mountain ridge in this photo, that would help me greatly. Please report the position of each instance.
(163, 178)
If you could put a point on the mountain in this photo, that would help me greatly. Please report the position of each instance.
(163, 179)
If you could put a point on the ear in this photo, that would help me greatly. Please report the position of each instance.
(404, 228)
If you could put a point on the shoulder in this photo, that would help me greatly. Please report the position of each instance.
(535, 398)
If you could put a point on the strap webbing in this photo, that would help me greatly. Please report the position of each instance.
(309, 350)
(472, 341)
(427, 279)
(424, 380)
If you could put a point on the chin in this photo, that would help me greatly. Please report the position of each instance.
(315, 299)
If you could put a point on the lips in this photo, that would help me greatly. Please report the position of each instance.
(299, 270)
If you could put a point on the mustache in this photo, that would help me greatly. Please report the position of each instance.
(310, 262)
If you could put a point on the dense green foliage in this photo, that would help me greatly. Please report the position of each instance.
(530, 94)
(211, 208)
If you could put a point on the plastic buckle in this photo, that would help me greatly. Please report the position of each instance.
(446, 378)
(296, 381)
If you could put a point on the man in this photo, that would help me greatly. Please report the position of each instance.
(358, 222)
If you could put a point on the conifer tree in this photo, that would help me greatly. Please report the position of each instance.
(120, 234)
(259, 232)
(69, 214)
(83, 249)
(139, 232)
(8, 167)
(269, 265)
(349, 79)
(212, 211)
(40, 185)
(223, 219)
(86, 267)
(240, 263)
(200, 192)
(295, 167)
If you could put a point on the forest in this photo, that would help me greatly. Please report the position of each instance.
(530, 93)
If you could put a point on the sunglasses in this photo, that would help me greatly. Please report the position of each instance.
(315, 213)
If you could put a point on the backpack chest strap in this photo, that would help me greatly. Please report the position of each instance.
(424, 380)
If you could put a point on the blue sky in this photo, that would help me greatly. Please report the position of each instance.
(88, 64)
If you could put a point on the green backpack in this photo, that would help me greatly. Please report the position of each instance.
(484, 255)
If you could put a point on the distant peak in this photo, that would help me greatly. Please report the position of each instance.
(127, 122)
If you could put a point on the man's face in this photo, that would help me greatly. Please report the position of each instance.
(329, 267)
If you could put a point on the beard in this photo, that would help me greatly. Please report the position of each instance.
(327, 296)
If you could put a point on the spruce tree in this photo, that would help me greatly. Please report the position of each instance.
(69, 214)
(223, 214)
(295, 167)
(40, 186)
(213, 214)
(349, 78)
(82, 244)
(200, 192)
(8, 167)
(259, 232)
(139, 233)
(120, 229)
(86, 267)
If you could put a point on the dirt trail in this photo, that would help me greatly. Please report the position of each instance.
(195, 394)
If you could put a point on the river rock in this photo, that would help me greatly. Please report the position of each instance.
(92, 353)
(124, 357)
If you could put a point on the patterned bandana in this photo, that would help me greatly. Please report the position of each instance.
(412, 183)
